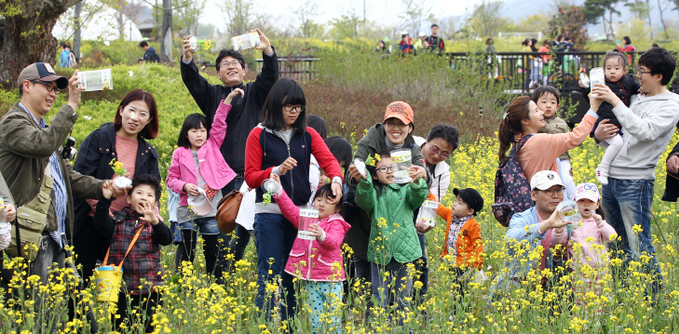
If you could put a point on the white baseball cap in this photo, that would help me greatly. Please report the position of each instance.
(545, 179)
(587, 190)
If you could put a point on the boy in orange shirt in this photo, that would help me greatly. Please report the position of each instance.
(463, 234)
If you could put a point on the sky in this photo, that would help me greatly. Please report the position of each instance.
(379, 11)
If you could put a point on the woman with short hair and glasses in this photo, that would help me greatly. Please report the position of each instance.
(282, 144)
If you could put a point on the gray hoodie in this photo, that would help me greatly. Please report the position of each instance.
(648, 126)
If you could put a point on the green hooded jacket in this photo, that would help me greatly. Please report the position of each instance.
(395, 235)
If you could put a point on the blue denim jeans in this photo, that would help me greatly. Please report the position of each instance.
(628, 203)
(398, 285)
(274, 236)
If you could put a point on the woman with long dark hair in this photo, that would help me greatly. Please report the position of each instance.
(282, 144)
(124, 140)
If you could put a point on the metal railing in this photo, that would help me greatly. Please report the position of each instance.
(300, 68)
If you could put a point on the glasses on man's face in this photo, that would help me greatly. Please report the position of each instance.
(437, 151)
(226, 63)
(298, 108)
(49, 86)
(553, 192)
(385, 169)
(641, 72)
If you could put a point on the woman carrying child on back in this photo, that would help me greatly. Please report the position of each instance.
(624, 86)
(393, 240)
(521, 123)
(318, 262)
(198, 169)
(591, 238)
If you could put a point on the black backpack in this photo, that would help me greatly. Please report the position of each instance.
(512, 189)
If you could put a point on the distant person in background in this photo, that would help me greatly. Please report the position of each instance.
(406, 44)
(533, 43)
(568, 43)
(382, 48)
(655, 45)
(493, 60)
(150, 54)
(63, 55)
(421, 43)
(546, 60)
(436, 44)
(627, 47)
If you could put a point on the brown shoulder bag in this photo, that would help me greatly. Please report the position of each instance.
(227, 211)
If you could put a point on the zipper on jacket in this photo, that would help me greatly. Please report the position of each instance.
(308, 265)
(292, 179)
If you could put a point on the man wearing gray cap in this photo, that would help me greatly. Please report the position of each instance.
(41, 181)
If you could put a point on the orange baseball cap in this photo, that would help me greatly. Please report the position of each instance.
(400, 110)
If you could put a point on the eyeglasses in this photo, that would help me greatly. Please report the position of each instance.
(227, 63)
(50, 87)
(385, 169)
(437, 151)
(294, 108)
(395, 123)
(552, 192)
(641, 73)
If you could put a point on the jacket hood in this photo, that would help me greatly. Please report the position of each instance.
(338, 217)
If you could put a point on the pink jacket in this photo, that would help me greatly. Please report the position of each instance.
(593, 253)
(214, 169)
(312, 260)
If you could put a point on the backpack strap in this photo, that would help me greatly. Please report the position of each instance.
(129, 248)
(519, 145)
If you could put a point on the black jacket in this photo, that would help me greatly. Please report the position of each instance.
(624, 89)
(672, 181)
(94, 155)
(358, 235)
(245, 111)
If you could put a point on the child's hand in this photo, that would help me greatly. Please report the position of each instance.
(275, 177)
(191, 189)
(10, 212)
(287, 165)
(598, 220)
(233, 94)
(316, 231)
(353, 171)
(416, 173)
(106, 189)
(581, 84)
(148, 212)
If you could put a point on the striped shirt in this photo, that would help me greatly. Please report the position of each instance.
(126, 150)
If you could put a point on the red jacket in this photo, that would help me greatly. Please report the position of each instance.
(312, 260)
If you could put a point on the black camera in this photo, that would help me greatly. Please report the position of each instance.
(68, 151)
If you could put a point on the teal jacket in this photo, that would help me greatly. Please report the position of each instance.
(395, 235)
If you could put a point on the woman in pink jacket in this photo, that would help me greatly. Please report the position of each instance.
(198, 167)
(318, 260)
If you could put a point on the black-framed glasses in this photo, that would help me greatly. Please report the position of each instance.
(385, 169)
(294, 108)
(437, 151)
(50, 87)
(640, 72)
(227, 63)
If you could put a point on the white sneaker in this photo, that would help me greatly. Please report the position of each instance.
(602, 175)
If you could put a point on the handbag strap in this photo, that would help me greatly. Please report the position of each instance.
(129, 248)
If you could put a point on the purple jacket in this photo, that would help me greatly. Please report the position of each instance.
(312, 260)
(214, 169)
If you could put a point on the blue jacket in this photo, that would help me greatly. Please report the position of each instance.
(523, 230)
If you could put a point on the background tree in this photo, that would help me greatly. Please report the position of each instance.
(305, 12)
(570, 21)
(346, 26)
(642, 11)
(238, 15)
(486, 19)
(415, 12)
(608, 6)
(28, 34)
(186, 14)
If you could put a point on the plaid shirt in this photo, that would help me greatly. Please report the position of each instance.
(455, 227)
(142, 270)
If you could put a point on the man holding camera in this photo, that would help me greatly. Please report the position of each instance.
(37, 175)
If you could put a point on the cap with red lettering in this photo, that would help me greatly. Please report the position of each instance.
(42, 72)
(400, 110)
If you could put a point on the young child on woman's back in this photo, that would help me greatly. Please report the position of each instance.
(591, 237)
(624, 86)
(142, 271)
(318, 262)
(393, 239)
(547, 99)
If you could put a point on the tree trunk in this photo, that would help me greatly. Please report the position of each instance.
(28, 37)
(76, 35)
(648, 14)
(166, 33)
(662, 20)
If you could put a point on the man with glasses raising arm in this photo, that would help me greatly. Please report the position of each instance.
(244, 114)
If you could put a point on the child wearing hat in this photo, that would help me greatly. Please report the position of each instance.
(463, 245)
(591, 235)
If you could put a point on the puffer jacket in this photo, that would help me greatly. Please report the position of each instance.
(312, 260)
(392, 232)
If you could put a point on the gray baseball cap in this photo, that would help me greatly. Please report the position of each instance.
(42, 72)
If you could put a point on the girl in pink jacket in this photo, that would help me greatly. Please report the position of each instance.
(197, 168)
(319, 262)
(589, 258)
